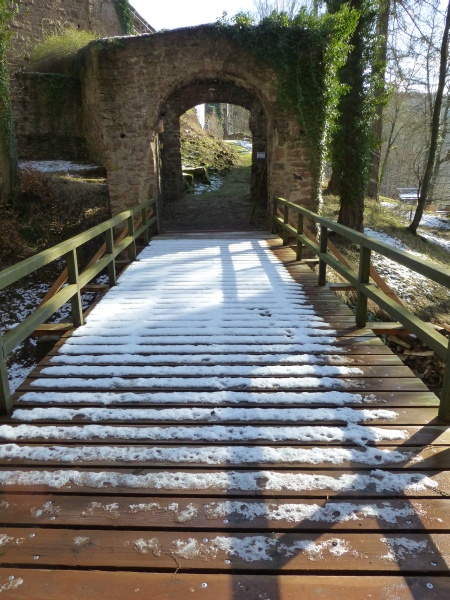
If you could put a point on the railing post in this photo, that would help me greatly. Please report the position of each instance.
(132, 247)
(109, 243)
(444, 405)
(274, 215)
(323, 250)
(5, 393)
(285, 221)
(299, 252)
(363, 277)
(146, 234)
(72, 278)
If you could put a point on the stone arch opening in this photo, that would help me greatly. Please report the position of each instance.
(127, 84)
(205, 91)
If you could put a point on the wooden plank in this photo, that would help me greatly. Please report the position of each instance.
(220, 455)
(57, 584)
(135, 415)
(340, 483)
(149, 512)
(373, 399)
(420, 553)
(431, 435)
(175, 359)
(152, 371)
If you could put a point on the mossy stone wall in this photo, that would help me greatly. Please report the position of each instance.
(49, 118)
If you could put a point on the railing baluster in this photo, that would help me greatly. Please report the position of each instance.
(285, 221)
(109, 243)
(5, 393)
(146, 234)
(132, 253)
(363, 277)
(72, 272)
(299, 252)
(274, 215)
(444, 405)
(323, 250)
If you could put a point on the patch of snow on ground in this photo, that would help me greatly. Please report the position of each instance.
(55, 166)
(333, 512)
(405, 282)
(293, 415)
(207, 455)
(356, 434)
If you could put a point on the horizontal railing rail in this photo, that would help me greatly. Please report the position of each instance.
(76, 281)
(360, 279)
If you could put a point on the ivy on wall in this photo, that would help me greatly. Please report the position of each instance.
(306, 52)
(8, 143)
(125, 16)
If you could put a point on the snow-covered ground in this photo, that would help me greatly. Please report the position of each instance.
(56, 166)
(406, 283)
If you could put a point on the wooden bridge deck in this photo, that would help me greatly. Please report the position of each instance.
(217, 431)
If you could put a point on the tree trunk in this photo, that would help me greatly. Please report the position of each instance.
(352, 215)
(8, 147)
(373, 186)
(423, 198)
(333, 183)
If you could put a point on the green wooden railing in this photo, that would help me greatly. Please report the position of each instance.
(360, 279)
(76, 281)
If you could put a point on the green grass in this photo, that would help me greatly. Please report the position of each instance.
(237, 181)
(61, 44)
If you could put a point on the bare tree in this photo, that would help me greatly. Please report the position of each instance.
(264, 8)
(435, 126)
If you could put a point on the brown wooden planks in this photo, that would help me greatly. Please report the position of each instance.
(57, 584)
(108, 528)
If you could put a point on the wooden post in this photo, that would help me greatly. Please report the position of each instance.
(323, 250)
(299, 252)
(444, 405)
(363, 277)
(5, 393)
(132, 247)
(146, 234)
(72, 272)
(109, 244)
(274, 214)
(286, 222)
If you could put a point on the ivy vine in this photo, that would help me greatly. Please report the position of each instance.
(125, 16)
(8, 142)
(306, 52)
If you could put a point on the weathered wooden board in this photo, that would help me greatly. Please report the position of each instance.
(155, 512)
(57, 584)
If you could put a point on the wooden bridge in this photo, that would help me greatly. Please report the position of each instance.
(220, 428)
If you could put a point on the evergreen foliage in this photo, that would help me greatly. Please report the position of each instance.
(352, 139)
(306, 52)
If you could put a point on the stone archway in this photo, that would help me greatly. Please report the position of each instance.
(128, 82)
(202, 92)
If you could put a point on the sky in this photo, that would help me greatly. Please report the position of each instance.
(170, 14)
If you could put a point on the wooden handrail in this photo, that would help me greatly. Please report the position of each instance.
(61, 280)
(360, 279)
(76, 281)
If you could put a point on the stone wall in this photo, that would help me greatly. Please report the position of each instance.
(128, 84)
(49, 119)
(37, 17)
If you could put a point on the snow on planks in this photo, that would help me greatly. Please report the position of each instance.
(220, 428)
